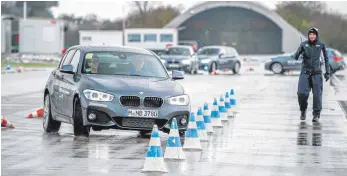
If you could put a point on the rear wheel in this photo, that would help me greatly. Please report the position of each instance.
(49, 124)
(79, 129)
(236, 68)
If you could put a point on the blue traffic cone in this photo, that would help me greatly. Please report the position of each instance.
(227, 105)
(233, 101)
(215, 117)
(8, 67)
(154, 161)
(207, 119)
(222, 110)
(200, 123)
(192, 140)
(173, 146)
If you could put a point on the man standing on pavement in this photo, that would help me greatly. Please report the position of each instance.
(311, 73)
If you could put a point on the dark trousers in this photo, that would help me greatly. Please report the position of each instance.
(306, 83)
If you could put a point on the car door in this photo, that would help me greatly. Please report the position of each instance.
(222, 61)
(68, 84)
(56, 97)
(62, 90)
(293, 64)
(230, 58)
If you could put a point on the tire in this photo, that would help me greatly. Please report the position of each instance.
(48, 123)
(236, 69)
(182, 133)
(78, 128)
(144, 133)
(277, 68)
(213, 67)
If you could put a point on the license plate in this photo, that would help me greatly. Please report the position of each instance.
(174, 65)
(142, 113)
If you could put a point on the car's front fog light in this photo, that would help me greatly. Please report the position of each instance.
(183, 120)
(92, 116)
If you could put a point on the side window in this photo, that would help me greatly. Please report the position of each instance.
(62, 60)
(150, 38)
(68, 57)
(134, 38)
(166, 38)
(75, 60)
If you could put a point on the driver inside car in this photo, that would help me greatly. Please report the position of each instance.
(137, 66)
(93, 64)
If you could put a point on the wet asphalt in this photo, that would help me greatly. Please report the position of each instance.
(265, 138)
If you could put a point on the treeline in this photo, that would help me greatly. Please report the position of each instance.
(143, 14)
(306, 14)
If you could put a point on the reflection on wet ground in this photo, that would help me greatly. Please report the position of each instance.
(307, 132)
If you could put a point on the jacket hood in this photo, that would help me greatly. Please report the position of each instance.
(314, 31)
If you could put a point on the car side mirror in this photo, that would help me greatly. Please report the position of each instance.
(177, 74)
(67, 69)
(221, 56)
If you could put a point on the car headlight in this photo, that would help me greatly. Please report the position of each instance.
(186, 62)
(97, 96)
(163, 61)
(181, 100)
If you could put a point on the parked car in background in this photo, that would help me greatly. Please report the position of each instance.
(192, 43)
(286, 62)
(214, 58)
(180, 58)
(104, 87)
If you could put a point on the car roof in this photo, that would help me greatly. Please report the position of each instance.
(216, 46)
(181, 46)
(89, 48)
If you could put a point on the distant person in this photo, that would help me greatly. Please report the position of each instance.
(311, 73)
(137, 64)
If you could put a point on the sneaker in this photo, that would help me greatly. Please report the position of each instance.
(315, 118)
(303, 115)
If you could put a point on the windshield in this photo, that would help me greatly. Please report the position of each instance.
(123, 63)
(177, 51)
(208, 51)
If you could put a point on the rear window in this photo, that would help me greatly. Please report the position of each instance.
(123, 63)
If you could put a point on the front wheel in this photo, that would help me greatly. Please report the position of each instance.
(79, 129)
(49, 124)
(277, 68)
(213, 67)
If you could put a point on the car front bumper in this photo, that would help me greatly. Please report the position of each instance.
(267, 65)
(204, 66)
(112, 115)
(184, 67)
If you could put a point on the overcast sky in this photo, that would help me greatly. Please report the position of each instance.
(112, 10)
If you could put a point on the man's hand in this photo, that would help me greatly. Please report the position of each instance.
(327, 76)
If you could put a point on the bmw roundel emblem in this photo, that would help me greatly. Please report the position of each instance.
(140, 93)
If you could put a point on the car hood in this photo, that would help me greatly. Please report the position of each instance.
(176, 57)
(132, 85)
